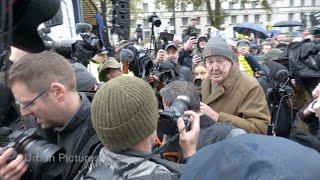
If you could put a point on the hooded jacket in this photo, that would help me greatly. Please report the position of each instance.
(134, 164)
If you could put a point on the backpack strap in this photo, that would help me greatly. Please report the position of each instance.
(86, 165)
(91, 141)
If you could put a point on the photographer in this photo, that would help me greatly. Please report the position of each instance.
(307, 118)
(191, 30)
(247, 61)
(109, 69)
(198, 50)
(169, 57)
(126, 124)
(186, 53)
(211, 131)
(44, 86)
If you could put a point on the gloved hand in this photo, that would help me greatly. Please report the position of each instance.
(306, 139)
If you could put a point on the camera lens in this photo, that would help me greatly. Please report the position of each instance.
(42, 150)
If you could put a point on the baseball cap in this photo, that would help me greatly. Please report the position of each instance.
(171, 45)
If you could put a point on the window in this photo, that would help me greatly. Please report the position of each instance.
(145, 7)
(291, 3)
(183, 7)
(231, 5)
(245, 18)
(147, 34)
(257, 18)
(290, 16)
(254, 4)
(185, 21)
(242, 4)
(302, 15)
(172, 22)
(222, 21)
(233, 19)
(269, 17)
(146, 23)
(302, 2)
(172, 32)
(208, 21)
(133, 23)
(198, 22)
(313, 2)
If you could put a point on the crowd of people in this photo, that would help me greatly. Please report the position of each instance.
(222, 100)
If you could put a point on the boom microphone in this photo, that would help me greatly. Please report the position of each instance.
(278, 72)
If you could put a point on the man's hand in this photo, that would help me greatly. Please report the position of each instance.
(196, 60)
(316, 107)
(189, 45)
(13, 170)
(160, 56)
(188, 139)
(316, 91)
(152, 79)
(243, 51)
(205, 109)
(307, 111)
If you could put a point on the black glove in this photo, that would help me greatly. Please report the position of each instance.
(306, 139)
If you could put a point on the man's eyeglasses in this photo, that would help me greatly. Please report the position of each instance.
(32, 101)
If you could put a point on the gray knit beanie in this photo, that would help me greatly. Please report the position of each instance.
(273, 53)
(84, 79)
(124, 111)
(217, 46)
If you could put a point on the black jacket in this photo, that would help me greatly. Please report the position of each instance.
(75, 136)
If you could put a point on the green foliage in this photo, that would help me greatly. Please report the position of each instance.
(134, 10)
(265, 5)
(216, 15)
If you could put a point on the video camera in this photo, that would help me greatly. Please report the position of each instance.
(166, 37)
(165, 71)
(77, 50)
(279, 95)
(142, 63)
(40, 154)
(154, 19)
(167, 122)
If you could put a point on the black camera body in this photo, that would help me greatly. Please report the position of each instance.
(197, 83)
(77, 50)
(142, 64)
(39, 154)
(154, 19)
(165, 71)
(167, 122)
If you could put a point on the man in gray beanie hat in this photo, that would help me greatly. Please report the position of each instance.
(124, 115)
(229, 95)
(84, 80)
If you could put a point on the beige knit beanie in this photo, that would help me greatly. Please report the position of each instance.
(124, 112)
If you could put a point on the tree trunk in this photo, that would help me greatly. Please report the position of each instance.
(174, 16)
(217, 14)
(210, 12)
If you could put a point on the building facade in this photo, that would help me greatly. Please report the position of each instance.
(238, 12)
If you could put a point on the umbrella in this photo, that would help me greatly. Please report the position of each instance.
(252, 156)
(290, 23)
(248, 28)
